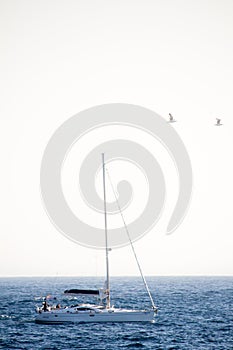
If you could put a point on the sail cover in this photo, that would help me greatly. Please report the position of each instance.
(82, 291)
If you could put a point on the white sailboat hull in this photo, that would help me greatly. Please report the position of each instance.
(118, 315)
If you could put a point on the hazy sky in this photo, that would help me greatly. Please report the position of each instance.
(60, 57)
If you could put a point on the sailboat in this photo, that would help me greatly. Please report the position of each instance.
(102, 311)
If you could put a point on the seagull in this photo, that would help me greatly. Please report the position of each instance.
(218, 122)
(171, 118)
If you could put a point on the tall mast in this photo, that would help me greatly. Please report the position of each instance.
(106, 238)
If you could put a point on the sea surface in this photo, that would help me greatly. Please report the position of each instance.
(194, 313)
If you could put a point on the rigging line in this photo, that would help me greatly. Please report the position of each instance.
(131, 243)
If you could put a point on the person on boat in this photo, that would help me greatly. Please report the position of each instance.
(45, 306)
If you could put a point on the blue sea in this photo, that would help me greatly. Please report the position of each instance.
(194, 313)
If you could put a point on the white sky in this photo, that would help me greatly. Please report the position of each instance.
(60, 57)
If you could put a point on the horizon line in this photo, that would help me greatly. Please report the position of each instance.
(103, 276)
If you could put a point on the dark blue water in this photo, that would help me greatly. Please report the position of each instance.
(194, 313)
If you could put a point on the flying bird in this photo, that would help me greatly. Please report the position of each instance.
(218, 123)
(171, 118)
